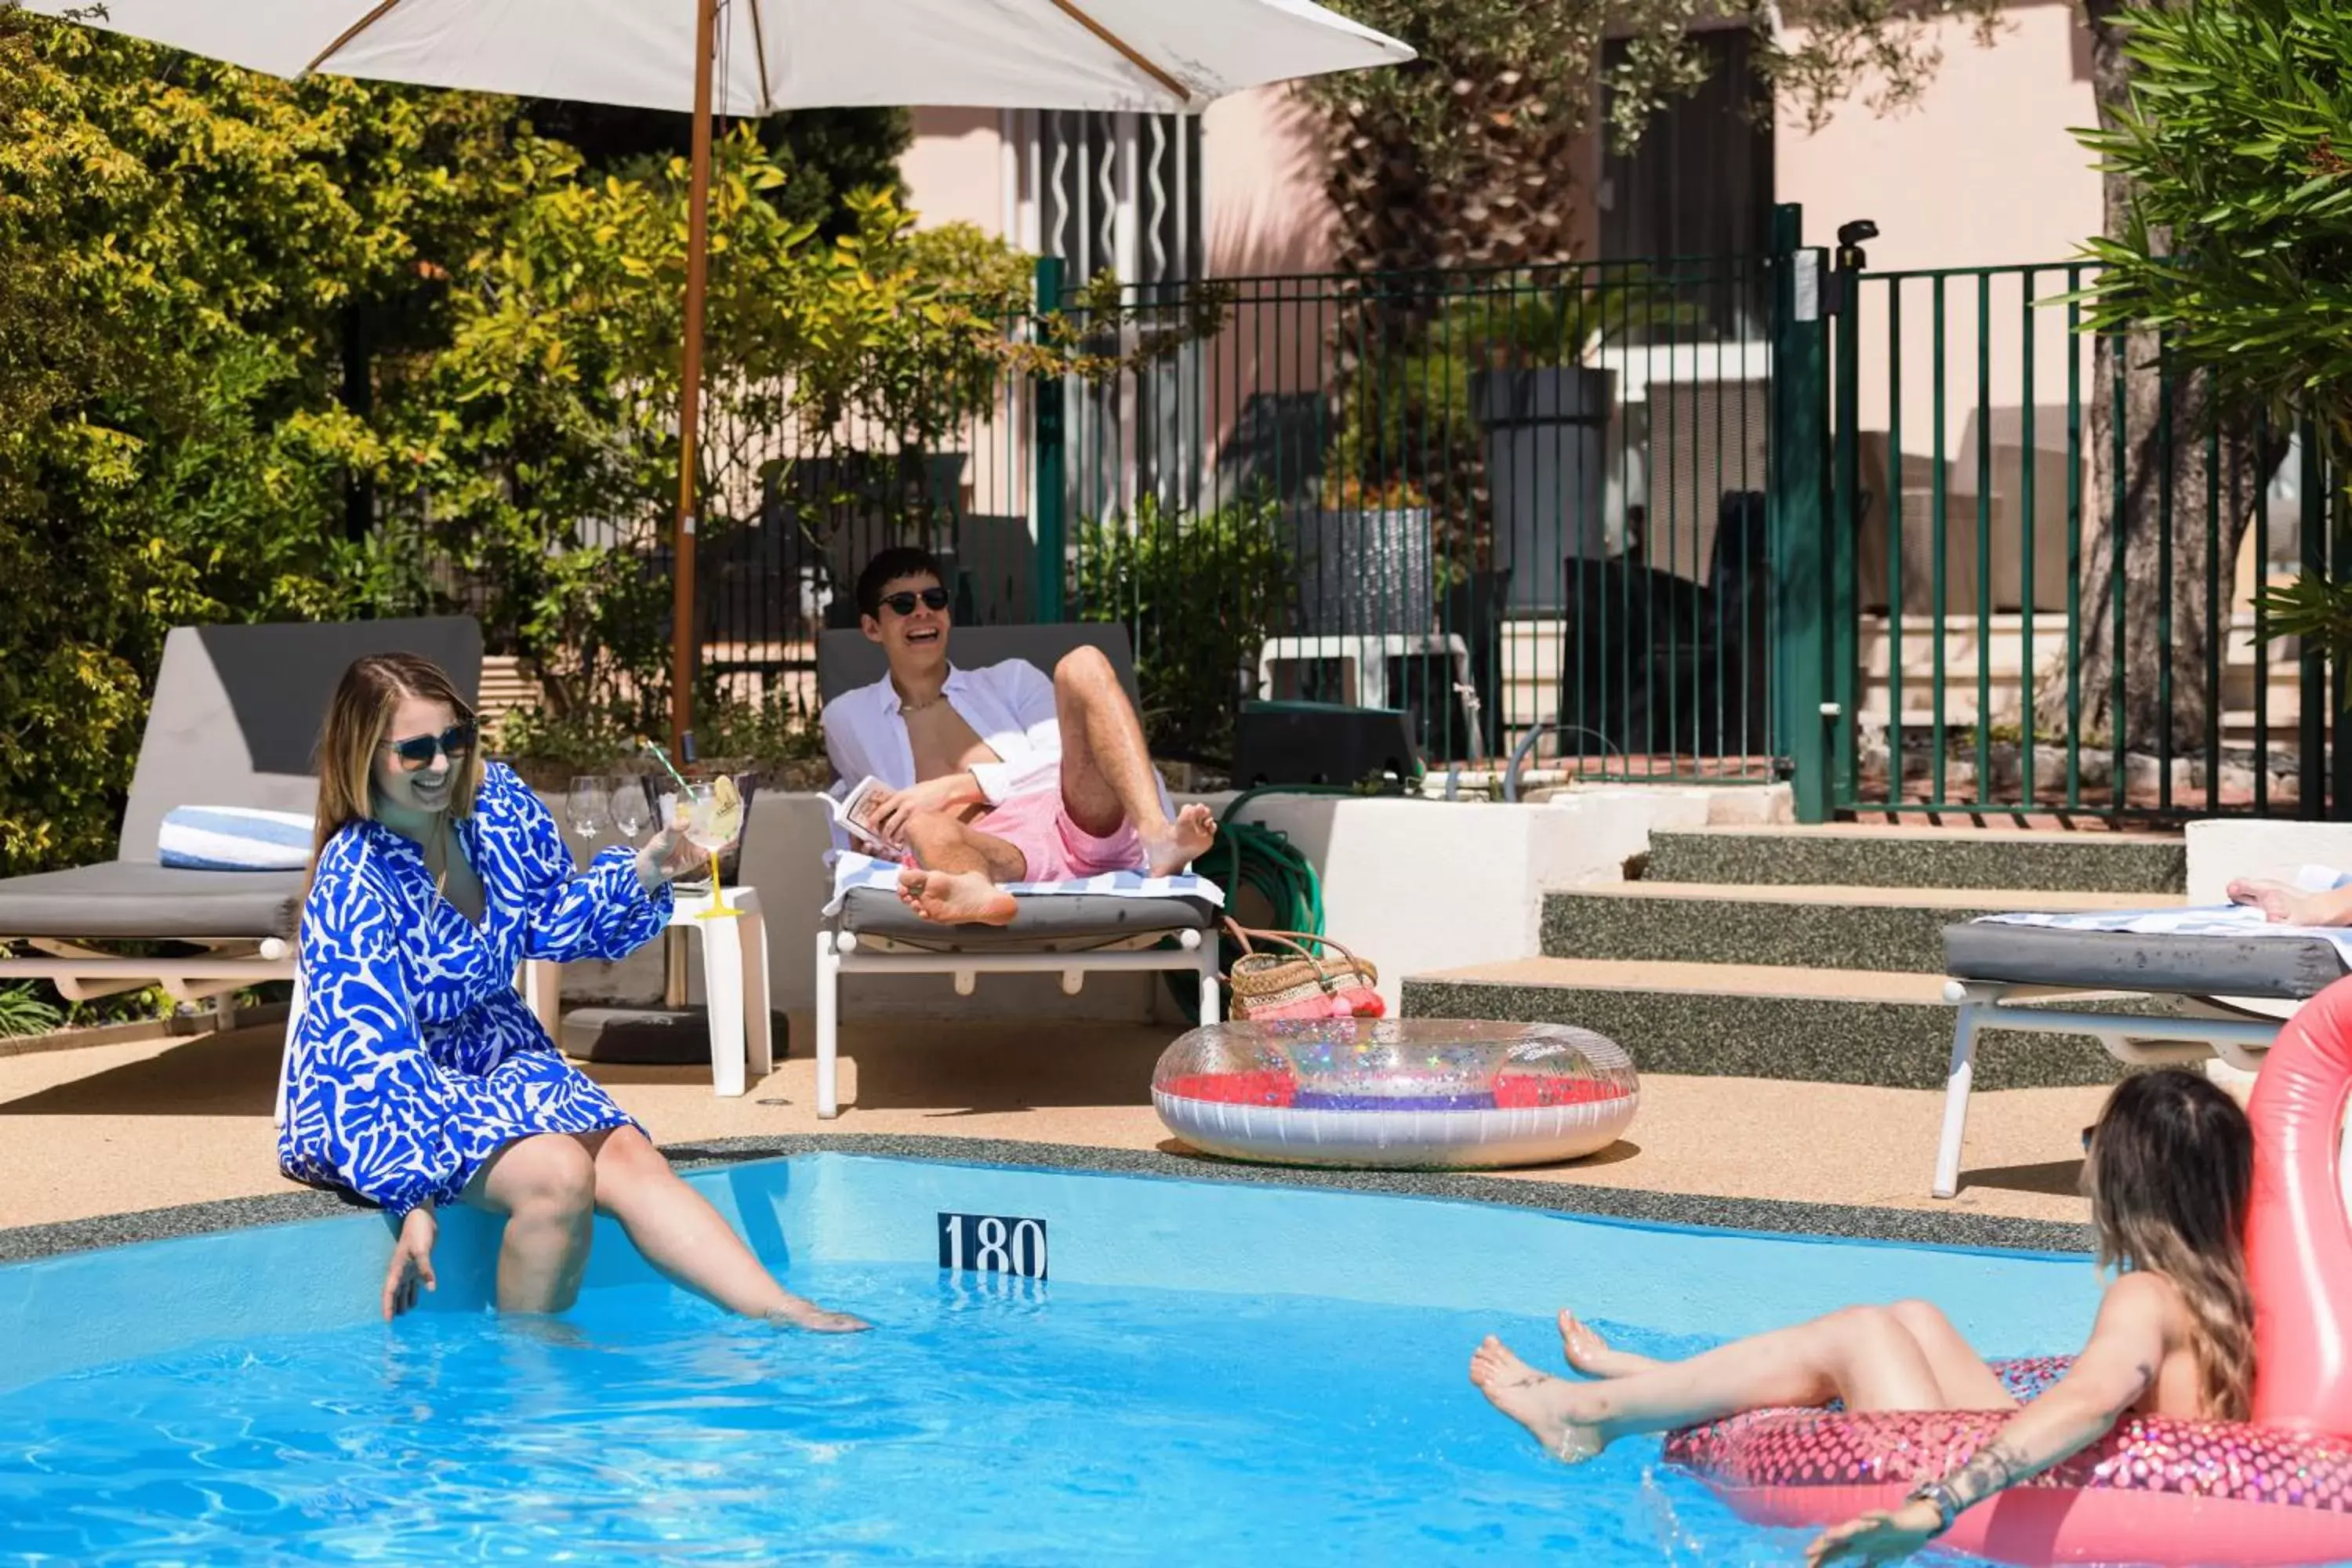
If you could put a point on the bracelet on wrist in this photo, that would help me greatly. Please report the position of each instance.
(1936, 1495)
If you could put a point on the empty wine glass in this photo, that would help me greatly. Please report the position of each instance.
(632, 813)
(587, 807)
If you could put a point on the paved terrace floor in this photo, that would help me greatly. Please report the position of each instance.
(118, 1128)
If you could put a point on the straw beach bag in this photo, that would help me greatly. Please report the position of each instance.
(1297, 983)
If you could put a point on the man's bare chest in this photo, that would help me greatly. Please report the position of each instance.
(943, 744)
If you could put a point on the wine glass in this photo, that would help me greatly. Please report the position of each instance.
(632, 813)
(587, 807)
(714, 819)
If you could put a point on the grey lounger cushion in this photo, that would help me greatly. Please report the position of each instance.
(2285, 968)
(134, 900)
(1075, 918)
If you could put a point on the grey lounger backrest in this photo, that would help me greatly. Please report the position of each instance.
(237, 710)
(846, 660)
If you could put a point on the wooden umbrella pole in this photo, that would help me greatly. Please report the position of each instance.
(689, 397)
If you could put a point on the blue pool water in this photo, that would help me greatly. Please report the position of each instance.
(1212, 1375)
(1016, 1425)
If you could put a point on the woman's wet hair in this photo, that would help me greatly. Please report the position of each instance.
(2170, 1171)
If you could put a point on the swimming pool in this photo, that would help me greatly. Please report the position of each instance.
(1208, 1373)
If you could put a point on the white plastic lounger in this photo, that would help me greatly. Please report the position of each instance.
(1070, 934)
(2233, 988)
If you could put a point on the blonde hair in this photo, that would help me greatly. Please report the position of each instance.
(357, 719)
(2171, 1172)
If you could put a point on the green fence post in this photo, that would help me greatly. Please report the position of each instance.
(1049, 462)
(1799, 497)
(1844, 611)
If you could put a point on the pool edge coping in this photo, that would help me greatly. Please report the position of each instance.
(1635, 1206)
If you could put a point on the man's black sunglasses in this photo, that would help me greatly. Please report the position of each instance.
(933, 598)
(418, 751)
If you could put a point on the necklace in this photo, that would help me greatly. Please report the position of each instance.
(931, 701)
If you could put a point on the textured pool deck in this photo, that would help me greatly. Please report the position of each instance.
(94, 1139)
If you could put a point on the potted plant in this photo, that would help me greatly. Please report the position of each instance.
(1366, 554)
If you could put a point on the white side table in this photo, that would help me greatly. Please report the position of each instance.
(734, 987)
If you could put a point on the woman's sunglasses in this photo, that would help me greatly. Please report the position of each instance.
(904, 604)
(418, 751)
(2087, 1138)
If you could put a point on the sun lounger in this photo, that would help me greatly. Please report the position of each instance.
(233, 722)
(1072, 933)
(2232, 986)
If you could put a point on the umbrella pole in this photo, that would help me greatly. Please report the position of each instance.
(689, 397)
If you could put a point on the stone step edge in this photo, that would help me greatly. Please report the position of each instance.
(1873, 896)
(1767, 982)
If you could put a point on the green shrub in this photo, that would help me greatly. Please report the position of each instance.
(1199, 595)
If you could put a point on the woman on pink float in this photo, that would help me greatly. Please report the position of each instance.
(2192, 1427)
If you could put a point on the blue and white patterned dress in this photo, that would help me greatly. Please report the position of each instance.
(416, 1058)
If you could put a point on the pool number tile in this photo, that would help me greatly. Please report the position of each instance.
(993, 1244)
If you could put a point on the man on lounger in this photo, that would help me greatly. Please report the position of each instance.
(997, 774)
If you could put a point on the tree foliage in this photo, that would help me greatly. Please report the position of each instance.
(226, 299)
(2238, 141)
(2237, 251)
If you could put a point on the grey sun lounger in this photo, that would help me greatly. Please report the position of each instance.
(234, 721)
(1070, 934)
(2230, 994)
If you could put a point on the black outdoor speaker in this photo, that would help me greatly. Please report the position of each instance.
(1321, 742)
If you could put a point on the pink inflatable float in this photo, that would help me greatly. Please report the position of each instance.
(2277, 1489)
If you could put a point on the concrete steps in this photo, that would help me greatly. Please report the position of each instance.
(1852, 928)
(1808, 954)
(2009, 860)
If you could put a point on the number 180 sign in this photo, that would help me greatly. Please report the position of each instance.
(993, 1244)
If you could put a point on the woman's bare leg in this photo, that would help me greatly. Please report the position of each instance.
(1963, 1381)
(546, 1187)
(1864, 1355)
(1594, 1356)
(684, 1238)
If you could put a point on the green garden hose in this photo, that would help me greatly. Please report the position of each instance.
(1253, 856)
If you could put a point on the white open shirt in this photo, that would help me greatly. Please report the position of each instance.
(1010, 706)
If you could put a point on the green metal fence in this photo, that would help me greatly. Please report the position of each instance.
(1526, 506)
(2038, 604)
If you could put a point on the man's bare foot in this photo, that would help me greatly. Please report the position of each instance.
(1591, 1354)
(808, 1315)
(1549, 1407)
(1183, 841)
(956, 898)
(2279, 904)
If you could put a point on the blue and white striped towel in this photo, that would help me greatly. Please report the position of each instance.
(232, 838)
(853, 870)
(2211, 920)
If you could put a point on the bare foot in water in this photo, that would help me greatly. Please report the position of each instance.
(1591, 1354)
(956, 898)
(1548, 1407)
(808, 1315)
(1186, 840)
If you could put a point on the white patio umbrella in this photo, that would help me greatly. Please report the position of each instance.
(1141, 56)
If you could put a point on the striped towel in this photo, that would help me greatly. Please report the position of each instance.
(234, 839)
(853, 870)
(2213, 919)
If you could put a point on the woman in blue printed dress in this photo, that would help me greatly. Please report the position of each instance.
(418, 1076)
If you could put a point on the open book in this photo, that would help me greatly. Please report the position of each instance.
(855, 812)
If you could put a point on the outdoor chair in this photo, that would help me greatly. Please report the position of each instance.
(1069, 933)
(234, 721)
(2229, 994)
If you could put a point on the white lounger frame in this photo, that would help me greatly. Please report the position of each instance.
(227, 965)
(2207, 1030)
(840, 953)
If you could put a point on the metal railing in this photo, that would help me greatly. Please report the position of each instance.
(1508, 502)
(2047, 555)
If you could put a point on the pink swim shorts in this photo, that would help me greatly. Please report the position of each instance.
(1058, 849)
